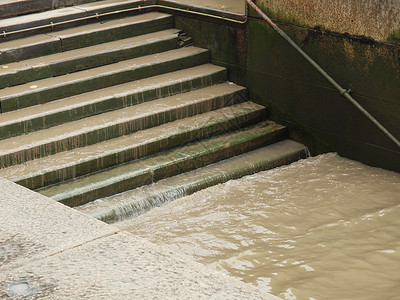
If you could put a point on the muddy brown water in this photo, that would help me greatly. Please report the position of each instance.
(321, 228)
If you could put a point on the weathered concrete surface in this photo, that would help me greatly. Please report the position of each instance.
(379, 19)
(33, 227)
(50, 251)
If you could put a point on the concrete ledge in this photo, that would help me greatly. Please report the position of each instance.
(34, 227)
(206, 7)
(50, 251)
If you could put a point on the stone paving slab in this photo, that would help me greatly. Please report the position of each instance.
(49, 251)
(33, 226)
(122, 267)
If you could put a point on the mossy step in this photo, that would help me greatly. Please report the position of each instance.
(50, 89)
(83, 36)
(89, 57)
(132, 203)
(67, 165)
(163, 165)
(74, 108)
(117, 123)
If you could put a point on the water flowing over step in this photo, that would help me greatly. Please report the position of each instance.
(138, 201)
(49, 89)
(127, 105)
(116, 97)
(117, 123)
(89, 57)
(74, 163)
(162, 165)
(83, 36)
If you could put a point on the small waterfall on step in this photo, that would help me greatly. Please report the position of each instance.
(140, 200)
(320, 228)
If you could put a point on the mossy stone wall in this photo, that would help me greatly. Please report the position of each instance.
(296, 95)
(379, 19)
(315, 113)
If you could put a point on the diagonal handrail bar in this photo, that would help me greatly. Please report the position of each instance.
(345, 93)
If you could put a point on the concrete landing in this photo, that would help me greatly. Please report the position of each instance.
(234, 6)
(50, 251)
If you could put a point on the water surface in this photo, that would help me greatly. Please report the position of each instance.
(321, 228)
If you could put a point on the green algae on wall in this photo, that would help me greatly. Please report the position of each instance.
(373, 18)
(295, 93)
(394, 37)
(297, 96)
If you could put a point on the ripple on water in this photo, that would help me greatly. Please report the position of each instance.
(321, 228)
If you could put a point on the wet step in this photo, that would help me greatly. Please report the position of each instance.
(74, 108)
(113, 124)
(132, 203)
(125, 106)
(83, 36)
(46, 90)
(46, 11)
(165, 164)
(67, 165)
(88, 57)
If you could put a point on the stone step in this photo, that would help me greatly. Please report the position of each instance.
(50, 89)
(88, 57)
(83, 36)
(165, 164)
(113, 124)
(74, 108)
(134, 202)
(67, 165)
(99, 109)
(43, 12)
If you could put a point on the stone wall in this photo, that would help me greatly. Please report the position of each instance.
(316, 114)
(379, 19)
(277, 77)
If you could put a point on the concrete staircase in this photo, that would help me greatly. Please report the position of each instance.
(127, 105)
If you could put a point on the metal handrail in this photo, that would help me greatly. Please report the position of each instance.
(97, 15)
(345, 93)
